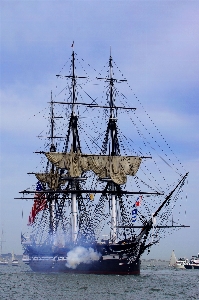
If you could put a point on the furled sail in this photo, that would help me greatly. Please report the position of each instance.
(52, 179)
(115, 167)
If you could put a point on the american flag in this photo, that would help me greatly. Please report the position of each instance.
(40, 203)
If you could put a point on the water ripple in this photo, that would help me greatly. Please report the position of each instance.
(19, 283)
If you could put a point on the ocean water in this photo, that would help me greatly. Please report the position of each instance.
(158, 282)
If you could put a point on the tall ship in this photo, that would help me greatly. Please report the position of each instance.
(100, 198)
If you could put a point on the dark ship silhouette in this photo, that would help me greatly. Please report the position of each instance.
(95, 207)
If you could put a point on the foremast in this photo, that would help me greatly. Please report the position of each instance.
(113, 150)
(75, 146)
(111, 145)
(74, 143)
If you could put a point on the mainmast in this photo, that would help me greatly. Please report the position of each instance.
(112, 146)
(113, 150)
(74, 148)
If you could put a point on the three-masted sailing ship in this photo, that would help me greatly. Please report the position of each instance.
(93, 209)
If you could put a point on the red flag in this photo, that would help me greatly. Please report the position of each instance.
(39, 204)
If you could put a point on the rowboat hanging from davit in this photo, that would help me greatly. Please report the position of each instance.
(104, 196)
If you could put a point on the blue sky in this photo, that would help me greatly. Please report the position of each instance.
(155, 44)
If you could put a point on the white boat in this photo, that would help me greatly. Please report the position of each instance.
(15, 261)
(26, 259)
(3, 261)
(194, 263)
(177, 263)
(180, 263)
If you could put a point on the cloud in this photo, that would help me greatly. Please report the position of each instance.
(177, 126)
(19, 103)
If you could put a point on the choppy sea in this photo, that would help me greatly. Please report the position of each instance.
(159, 282)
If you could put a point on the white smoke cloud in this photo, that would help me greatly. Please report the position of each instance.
(81, 255)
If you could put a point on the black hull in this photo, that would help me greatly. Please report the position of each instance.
(191, 266)
(108, 266)
(109, 260)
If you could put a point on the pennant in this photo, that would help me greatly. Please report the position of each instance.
(138, 201)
